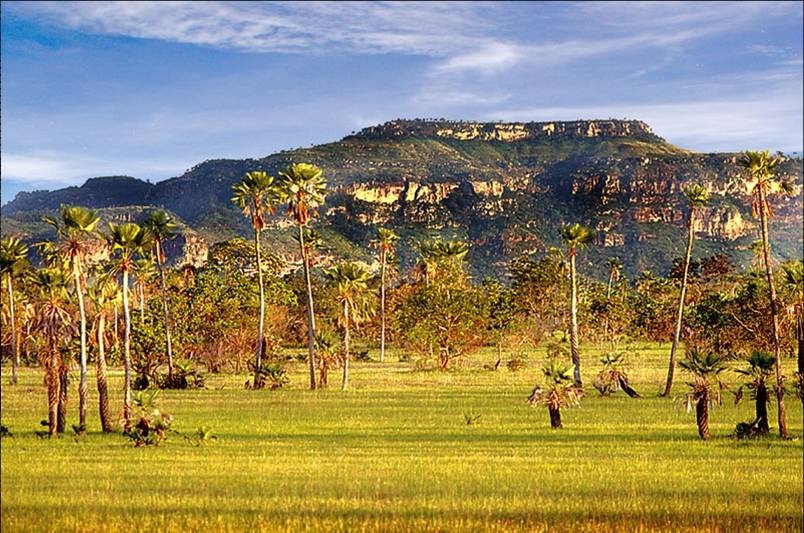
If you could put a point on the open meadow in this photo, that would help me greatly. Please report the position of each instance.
(395, 452)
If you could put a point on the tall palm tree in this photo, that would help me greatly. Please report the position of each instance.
(697, 196)
(143, 275)
(73, 228)
(794, 280)
(305, 188)
(762, 167)
(351, 283)
(126, 241)
(576, 237)
(257, 195)
(385, 243)
(104, 294)
(162, 228)
(53, 319)
(615, 266)
(705, 369)
(13, 263)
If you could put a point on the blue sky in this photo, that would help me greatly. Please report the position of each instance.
(151, 89)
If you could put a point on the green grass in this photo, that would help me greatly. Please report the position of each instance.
(395, 453)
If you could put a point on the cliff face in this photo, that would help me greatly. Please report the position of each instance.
(505, 187)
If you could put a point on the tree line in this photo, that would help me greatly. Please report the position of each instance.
(246, 306)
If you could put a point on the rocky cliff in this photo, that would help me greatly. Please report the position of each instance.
(505, 187)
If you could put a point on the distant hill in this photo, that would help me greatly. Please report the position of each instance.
(505, 187)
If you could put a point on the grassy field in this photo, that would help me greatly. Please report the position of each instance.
(395, 453)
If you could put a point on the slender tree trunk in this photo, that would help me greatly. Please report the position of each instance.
(555, 417)
(103, 388)
(126, 357)
(53, 386)
(261, 328)
(608, 296)
(141, 295)
(702, 415)
(310, 310)
(763, 213)
(62, 410)
(382, 305)
(345, 382)
(82, 385)
(576, 356)
(677, 335)
(165, 312)
(15, 354)
(762, 409)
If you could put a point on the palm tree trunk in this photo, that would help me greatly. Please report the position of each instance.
(702, 415)
(126, 357)
(555, 417)
(345, 382)
(15, 355)
(677, 335)
(382, 305)
(82, 385)
(103, 388)
(310, 310)
(762, 409)
(763, 214)
(61, 423)
(165, 312)
(576, 356)
(141, 295)
(261, 330)
(53, 386)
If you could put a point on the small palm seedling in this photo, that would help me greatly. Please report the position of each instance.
(560, 390)
(760, 368)
(705, 386)
(152, 424)
(470, 418)
(614, 376)
(202, 435)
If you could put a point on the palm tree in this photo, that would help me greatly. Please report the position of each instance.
(437, 255)
(143, 275)
(53, 320)
(762, 167)
(562, 392)
(705, 386)
(257, 195)
(129, 240)
(162, 228)
(351, 283)
(13, 263)
(760, 366)
(74, 226)
(305, 188)
(104, 295)
(697, 197)
(615, 266)
(794, 280)
(576, 237)
(385, 243)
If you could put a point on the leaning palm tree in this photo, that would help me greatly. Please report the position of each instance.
(126, 241)
(13, 263)
(53, 319)
(760, 366)
(385, 243)
(576, 237)
(705, 386)
(762, 167)
(104, 295)
(162, 228)
(305, 188)
(74, 227)
(257, 195)
(697, 196)
(351, 284)
(561, 392)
